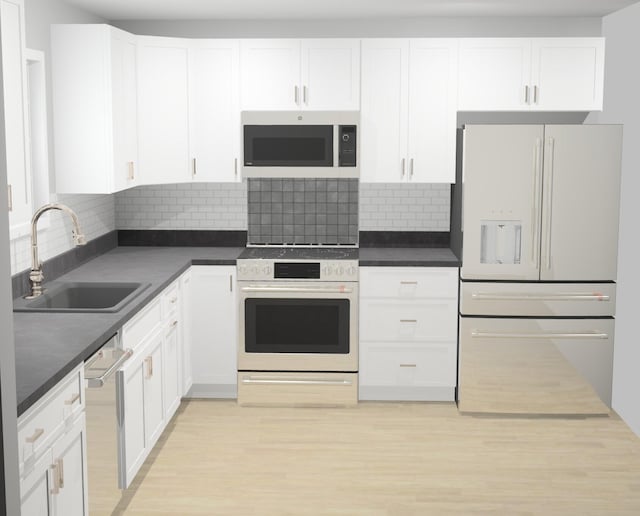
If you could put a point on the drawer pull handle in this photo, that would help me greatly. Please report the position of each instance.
(149, 362)
(174, 301)
(174, 324)
(72, 399)
(60, 463)
(36, 435)
(408, 283)
(408, 365)
(408, 321)
(56, 479)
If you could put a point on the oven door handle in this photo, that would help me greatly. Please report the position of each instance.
(269, 381)
(298, 290)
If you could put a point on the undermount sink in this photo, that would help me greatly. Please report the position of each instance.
(82, 297)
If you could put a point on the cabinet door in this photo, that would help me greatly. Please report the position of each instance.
(186, 308)
(35, 499)
(153, 391)
(331, 74)
(214, 119)
(70, 469)
(130, 381)
(125, 109)
(270, 74)
(502, 179)
(15, 115)
(383, 116)
(213, 323)
(163, 110)
(568, 74)
(494, 74)
(170, 374)
(580, 228)
(433, 84)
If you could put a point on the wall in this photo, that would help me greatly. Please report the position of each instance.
(622, 83)
(96, 213)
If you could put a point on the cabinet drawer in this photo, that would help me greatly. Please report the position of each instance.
(170, 300)
(538, 299)
(408, 282)
(402, 321)
(420, 364)
(42, 423)
(143, 324)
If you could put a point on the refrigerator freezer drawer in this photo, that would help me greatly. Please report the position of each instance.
(538, 299)
(535, 366)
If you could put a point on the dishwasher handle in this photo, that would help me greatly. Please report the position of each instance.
(96, 383)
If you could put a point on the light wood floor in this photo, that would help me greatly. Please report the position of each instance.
(402, 459)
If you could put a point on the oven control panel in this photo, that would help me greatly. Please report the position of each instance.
(307, 270)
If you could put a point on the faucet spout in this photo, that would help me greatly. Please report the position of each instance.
(36, 277)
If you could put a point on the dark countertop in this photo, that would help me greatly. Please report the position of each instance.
(49, 345)
(408, 257)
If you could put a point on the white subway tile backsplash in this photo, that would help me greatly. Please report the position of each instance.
(95, 213)
(404, 206)
(183, 206)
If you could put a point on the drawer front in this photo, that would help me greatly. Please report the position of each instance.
(142, 325)
(536, 366)
(393, 364)
(45, 421)
(538, 299)
(171, 300)
(304, 389)
(401, 321)
(409, 282)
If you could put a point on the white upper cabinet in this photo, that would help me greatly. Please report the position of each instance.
(433, 81)
(384, 111)
(214, 110)
(408, 113)
(568, 74)
(525, 74)
(494, 74)
(331, 74)
(93, 70)
(163, 110)
(270, 77)
(300, 74)
(15, 115)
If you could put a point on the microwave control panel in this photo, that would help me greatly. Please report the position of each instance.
(347, 145)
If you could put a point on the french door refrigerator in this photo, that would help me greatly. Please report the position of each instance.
(537, 297)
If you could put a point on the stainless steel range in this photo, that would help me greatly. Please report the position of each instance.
(298, 334)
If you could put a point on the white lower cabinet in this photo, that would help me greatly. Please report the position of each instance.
(408, 333)
(143, 422)
(150, 382)
(212, 322)
(53, 463)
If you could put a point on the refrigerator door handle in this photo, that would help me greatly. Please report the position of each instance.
(541, 335)
(549, 204)
(537, 162)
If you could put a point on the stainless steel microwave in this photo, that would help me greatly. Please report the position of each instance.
(309, 144)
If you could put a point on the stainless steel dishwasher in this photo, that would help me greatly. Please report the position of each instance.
(102, 426)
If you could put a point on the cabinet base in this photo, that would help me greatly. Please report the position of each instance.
(395, 393)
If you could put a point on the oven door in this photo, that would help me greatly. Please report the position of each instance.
(298, 326)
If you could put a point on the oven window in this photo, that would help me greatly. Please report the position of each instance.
(288, 145)
(297, 326)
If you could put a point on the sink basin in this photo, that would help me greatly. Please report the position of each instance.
(82, 297)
